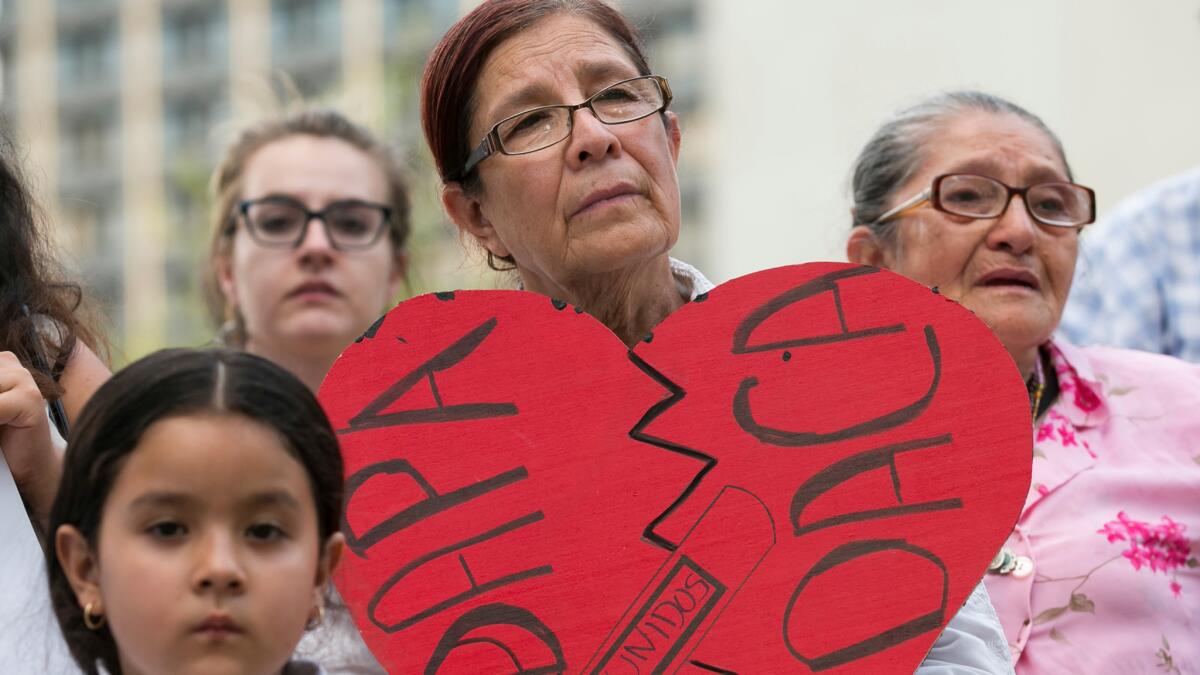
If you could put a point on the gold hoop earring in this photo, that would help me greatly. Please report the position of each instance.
(320, 618)
(95, 623)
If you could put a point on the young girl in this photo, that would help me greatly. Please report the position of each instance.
(196, 526)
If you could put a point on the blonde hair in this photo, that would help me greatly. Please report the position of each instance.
(225, 192)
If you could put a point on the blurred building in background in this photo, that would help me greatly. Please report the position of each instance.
(124, 106)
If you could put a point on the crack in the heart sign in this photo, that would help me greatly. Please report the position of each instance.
(821, 482)
(638, 433)
(740, 493)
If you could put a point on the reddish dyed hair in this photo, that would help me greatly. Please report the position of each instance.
(449, 83)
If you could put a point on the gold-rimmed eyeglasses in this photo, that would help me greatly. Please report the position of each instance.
(1056, 203)
(539, 128)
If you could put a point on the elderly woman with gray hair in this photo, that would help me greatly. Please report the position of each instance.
(1100, 573)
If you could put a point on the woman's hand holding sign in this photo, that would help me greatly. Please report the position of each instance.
(25, 437)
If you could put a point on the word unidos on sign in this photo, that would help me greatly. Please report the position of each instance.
(807, 470)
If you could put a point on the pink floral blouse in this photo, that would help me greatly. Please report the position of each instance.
(1111, 524)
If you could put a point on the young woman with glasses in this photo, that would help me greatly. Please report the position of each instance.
(310, 222)
(972, 195)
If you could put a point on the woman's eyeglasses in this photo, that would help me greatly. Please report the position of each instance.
(539, 128)
(1056, 204)
(282, 222)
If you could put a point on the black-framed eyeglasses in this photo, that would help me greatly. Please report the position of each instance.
(282, 222)
(539, 128)
(1056, 204)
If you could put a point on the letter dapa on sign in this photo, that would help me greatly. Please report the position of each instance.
(790, 474)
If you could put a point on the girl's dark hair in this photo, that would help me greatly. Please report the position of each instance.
(42, 312)
(174, 383)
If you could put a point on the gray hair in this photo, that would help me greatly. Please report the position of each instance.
(894, 154)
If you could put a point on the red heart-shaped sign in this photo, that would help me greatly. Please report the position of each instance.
(808, 470)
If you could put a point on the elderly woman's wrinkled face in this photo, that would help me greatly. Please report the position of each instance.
(1011, 272)
(602, 200)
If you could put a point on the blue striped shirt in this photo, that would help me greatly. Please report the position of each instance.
(1137, 283)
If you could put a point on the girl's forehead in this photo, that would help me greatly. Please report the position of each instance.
(210, 459)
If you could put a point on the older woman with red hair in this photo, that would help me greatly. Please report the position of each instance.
(557, 153)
